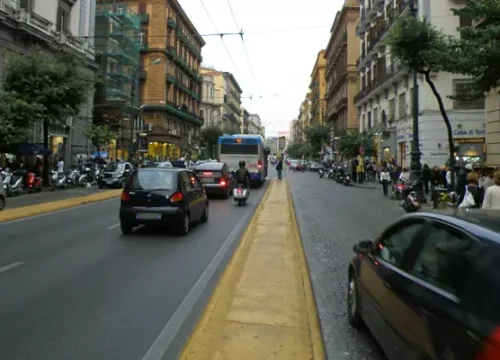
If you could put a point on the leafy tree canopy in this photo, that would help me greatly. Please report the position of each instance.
(16, 118)
(350, 143)
(299, 150)
(56, 84)
(210, 135)
(477, 51)
(317, 136)
(99, 135)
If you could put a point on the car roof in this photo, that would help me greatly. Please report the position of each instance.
(481, 223)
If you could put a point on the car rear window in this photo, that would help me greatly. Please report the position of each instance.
(153, 180)
(215, 166)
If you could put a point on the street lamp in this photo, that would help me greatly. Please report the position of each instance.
(415, 165)
(132, 97)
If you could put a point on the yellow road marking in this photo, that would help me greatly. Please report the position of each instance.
(263, 307)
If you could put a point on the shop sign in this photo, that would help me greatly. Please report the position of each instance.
(470, 132)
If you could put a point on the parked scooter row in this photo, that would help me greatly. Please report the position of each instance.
(73, 178)
(339, 172)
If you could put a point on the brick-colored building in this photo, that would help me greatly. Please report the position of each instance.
(170, 91)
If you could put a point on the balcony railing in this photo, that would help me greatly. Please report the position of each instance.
(379, 80)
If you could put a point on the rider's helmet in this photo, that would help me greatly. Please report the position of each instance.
(241, 164)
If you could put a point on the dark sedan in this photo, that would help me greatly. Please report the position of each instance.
(162, 196)
(216, 178)
(429, 286)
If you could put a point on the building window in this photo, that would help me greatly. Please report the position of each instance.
(63, 17)
(402, 106)
(392, 110)
(463, 91)
(464, 22)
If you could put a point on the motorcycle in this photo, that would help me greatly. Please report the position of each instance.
(399, 191)
(33, 183)
(14, 182)
(240, 194)
(321, 173)
(410, 201)
(347, 178)
(83, 179)
(58, 181)
(330, 173)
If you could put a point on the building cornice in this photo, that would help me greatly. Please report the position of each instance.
(180, 11)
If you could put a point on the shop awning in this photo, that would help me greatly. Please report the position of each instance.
(26, 149)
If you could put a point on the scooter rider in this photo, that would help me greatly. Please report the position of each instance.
(242, 175)
(3, 195)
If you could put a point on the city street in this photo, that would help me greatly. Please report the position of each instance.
(332, 218)
(72, 287)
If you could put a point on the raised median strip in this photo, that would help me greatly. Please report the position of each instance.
(263, 306)
(47, 207)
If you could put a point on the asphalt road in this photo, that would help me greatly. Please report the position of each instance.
(73, 288)
(46, 195)
(332, 218)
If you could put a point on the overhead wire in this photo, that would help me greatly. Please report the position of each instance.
(221, 37)
(247, 57)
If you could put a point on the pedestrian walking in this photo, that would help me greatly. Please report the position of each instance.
(492, 196)
(279, 168)
(385, 178)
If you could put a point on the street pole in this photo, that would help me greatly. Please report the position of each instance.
(132, 121)
(415, 166)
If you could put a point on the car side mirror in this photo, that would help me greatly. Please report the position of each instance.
(364, 247)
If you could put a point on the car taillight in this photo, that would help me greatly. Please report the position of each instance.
(223, 182)
(125, 196)
(176, 197)
(259, 164)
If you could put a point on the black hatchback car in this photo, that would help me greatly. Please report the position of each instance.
(172, 197)
(428, 287)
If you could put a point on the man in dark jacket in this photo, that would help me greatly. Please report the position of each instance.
(242, 175)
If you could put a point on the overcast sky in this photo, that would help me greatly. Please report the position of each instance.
(282, 39)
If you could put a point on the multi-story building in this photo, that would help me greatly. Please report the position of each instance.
(341, 74)
(170, 90)
(245, 121)
(272, 143)
(227, 97)
(255, 125)
(305, 115)
(53, 25)
(384, 101)
(210, 104)
(295, 131)
(116, 101)
(493, 128)
(318, 89)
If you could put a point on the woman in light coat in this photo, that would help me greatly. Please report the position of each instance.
(492, 195)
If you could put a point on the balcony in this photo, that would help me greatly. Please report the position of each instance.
(144, 18)
(380, 81)
(170, 79)
(342, 103)
(372, 13)
(171, 23)
(172, 51)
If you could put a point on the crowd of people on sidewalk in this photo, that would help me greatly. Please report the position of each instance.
(475, 188)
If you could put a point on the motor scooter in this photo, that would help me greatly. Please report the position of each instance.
(58, 181)
(3, 193)
(410, 201)
(240, 194)
(33, 183)
(14, 182)
(321, 173)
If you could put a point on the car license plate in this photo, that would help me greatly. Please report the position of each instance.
(109, 181)
(148, 216)
(207, 180)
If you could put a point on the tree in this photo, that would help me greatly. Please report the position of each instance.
(317, 136)
(350, 143)
(16, 118)
(210, 136)
(54, 86)
(298, 150)
(419, 46)
(477, 51)
(229, 130)
(99, 135)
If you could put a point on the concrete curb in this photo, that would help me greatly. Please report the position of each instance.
(316, 334)
(43, 208)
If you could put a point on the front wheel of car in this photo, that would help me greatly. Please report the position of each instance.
(353, 315)
(126, 228)
(184, 227)
(204, 216)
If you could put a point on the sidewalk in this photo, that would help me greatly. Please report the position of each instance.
(46, 196)
(263, 307)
